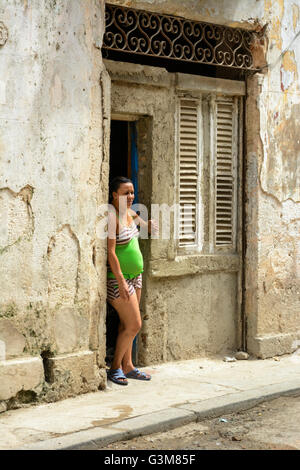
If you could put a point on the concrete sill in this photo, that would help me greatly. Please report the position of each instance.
(194, 264)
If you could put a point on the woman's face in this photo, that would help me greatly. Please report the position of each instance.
(125, 190)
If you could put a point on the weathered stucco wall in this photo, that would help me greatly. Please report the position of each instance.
(273, 223)
(53, 175)
(189, 317)
(227, 12)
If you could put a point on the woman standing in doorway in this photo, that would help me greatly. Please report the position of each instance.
(124, 277)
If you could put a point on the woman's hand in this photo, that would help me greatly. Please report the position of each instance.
(124, 290)
(152, 227)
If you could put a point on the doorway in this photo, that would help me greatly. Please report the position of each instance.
(123, 161)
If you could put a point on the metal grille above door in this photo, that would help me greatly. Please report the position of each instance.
(132, 31)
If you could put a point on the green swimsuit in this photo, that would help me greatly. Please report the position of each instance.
(131, 261)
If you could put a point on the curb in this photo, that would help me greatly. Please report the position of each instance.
(242, 400)
(167, 419)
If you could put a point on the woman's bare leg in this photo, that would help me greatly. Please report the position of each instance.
(127, 364)
(130, 321)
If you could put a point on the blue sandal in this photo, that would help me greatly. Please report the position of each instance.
(138, 375)
(115, 375)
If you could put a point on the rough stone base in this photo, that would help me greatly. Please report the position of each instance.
(72, 374)
(273, 345)
(27, 380)
(20, 375)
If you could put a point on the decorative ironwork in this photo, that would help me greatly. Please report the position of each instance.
(3, 34)
(170, 37)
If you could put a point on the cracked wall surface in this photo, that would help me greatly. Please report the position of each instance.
(280, 99)
(51, 167)
(17, 220)
(63, 264)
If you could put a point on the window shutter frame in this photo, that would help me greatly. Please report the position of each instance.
(189, 169)
(208, 218)
(224, 172)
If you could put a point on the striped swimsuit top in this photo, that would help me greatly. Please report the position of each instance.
(128, 252)
(126, 234)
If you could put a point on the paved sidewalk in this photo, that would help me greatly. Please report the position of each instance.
(179, 393)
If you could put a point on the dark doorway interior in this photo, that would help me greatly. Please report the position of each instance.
(121, 155)
(119, 163)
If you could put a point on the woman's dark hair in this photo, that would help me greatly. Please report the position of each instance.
(116, 183)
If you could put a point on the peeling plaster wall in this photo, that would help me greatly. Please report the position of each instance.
(53, 176)
(280, 101)
(273, 277)
(226, 12)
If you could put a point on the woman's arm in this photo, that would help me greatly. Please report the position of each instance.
(150, 224)
(113, 259)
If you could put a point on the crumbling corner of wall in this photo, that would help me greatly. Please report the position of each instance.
(259, 47)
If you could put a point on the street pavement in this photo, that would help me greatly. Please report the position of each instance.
(272, 425)
(179, 393)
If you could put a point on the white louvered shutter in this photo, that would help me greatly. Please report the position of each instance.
(226, 150)
(188, 172)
